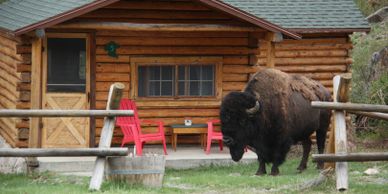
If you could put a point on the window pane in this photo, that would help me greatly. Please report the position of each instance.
(66, 58)
(167, 73)
(207, 88)
(181, 72)
(195, 72)
(154, 89)
(194, 88)
(207, 72)
(167, 88)
(154, 72)
(181, 88)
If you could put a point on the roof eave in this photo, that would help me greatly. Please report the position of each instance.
(329, 30)
(249, 17)
(64, 16)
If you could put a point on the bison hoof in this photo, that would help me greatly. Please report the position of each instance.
(301, 169)
(258, 173)
(274, 173)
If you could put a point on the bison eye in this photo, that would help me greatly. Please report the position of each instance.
(228, 140)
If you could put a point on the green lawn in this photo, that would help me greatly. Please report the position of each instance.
(215, 179)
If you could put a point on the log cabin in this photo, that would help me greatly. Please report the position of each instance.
(177, 58)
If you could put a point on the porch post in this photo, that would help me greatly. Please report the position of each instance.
(272, 38)
(36, 91)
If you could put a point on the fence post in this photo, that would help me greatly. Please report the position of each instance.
(115, 93)
(341, 86)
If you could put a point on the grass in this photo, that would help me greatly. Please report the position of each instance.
(214, 179)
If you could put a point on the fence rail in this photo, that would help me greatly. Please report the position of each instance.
(64, 113)
(351, 157)
(350, 106)
(62, 152)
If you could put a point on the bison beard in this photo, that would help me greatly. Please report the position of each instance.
(272, 113)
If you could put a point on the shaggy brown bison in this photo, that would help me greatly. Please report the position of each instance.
(272, 113)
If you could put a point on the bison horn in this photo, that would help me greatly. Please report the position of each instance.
(254, 109)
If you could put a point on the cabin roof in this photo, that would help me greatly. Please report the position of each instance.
(21, 16)
(306, 14)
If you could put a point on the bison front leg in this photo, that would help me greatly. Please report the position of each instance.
(275, 169)
(261, 170)
(306, 151)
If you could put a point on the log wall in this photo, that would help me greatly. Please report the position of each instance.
(9, 77)
(320, 58)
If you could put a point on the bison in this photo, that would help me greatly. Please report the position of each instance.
(273, 113)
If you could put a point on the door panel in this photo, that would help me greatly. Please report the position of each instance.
(65, 86)
(66, 131)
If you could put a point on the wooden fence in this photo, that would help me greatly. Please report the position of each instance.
(337, 148)
(103, 150)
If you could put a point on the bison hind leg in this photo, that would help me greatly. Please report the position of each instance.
(321, 134)
(306, 151)
(261, 170)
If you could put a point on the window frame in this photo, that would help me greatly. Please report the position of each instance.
(176, 61)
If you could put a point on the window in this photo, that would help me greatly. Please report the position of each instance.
(176, 77)
(66, 64)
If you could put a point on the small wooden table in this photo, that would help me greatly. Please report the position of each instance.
(188, 129)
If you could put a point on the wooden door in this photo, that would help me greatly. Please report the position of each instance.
(66, 86)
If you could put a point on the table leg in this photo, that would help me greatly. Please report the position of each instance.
(175, 140)
(202, 140)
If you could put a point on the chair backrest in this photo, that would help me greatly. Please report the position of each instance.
(127, 104)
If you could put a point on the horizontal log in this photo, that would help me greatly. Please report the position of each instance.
(59, 152)
(22, 67)
(235, 60)
(351, 157)
(108, 59)
(23, 105)
(315, 41)
(312, 68)
(179, 50)
(235, 77)
(312, 60)
(112, 68)
(115, 77)
(239, 69)
(375, 115)
(350, 106)
(313, 53)
(153, 27)
(126, 33)
(233, 85)
(166, 41)
(23, 86)
(346, 46)
(103, 86)
(23, 49)
(63, 113)
(154, 14)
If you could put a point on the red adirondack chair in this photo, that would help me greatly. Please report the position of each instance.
(130, 126)
(211, 134)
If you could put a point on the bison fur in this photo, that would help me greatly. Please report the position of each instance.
(273, 113)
